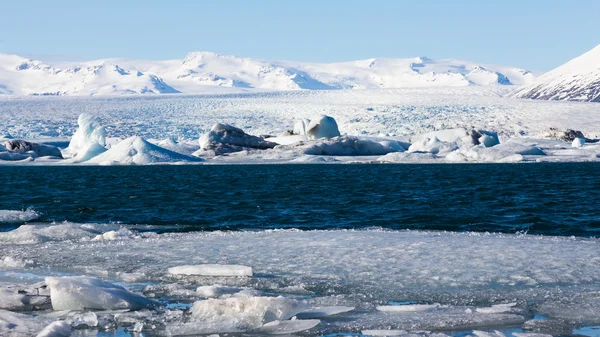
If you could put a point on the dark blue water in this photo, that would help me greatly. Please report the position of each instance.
(549, 199)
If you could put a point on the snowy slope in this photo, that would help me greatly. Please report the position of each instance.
(205, 72)
(576, 80)
(20, 76)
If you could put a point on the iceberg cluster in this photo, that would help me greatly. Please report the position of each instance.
(316, 140)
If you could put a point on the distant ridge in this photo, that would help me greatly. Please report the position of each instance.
(576, 80)
(202, 72)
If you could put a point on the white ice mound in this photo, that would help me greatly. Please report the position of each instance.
(245, 313)
(212, 270)
(90, 132)
(136, 150)
(322, 127)
(461, 136)
(223, 138)
(351, 146)
(9, 216)
(488, 138)
(81, 293)
(506, 152)
(433, 145)
(217, 291)
(34, 149)
(56, 329)
(578, 142)
(300, 127)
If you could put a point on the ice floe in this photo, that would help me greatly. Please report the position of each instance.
(80, 292)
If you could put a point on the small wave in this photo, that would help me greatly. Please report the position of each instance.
(8, 216)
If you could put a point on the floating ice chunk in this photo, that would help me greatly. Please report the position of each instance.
(578, 142)
(186, 148)
(90, 132)
(83, 320)
(212, 270)
(323, 312)
(8, 216)
(81, 293)
(348, 146)
(136, 150)
(223, 138)
(497, 308)
(217, 291)
(322, 127)
(88, 152)
(56, 329)
(488, 138)
(409, 307)
(286, 327)
(300, 127)
(245, 313)
(433, 145)
(35, 149)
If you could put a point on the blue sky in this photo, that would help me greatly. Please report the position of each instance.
(537, 35)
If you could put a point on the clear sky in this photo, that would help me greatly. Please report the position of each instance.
(533, 34)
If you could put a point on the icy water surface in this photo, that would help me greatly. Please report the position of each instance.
(492, 250)
(548, 199)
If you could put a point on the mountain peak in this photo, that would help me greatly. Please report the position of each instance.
(576, 80)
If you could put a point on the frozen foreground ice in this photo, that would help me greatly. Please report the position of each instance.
(397, 283)
(391, 126)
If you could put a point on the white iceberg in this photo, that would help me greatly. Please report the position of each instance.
(350, 146)
(223, 138)
(33, 149)
(322, 127)
(81, 293)
(211, 270)
(136, 150)
(578, 142)
(433, 145)
(300, 127)
(89, 133)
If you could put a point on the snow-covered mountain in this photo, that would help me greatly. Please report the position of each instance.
(209, 72)
(576, 80)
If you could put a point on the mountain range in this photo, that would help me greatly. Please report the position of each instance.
(206, 72)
